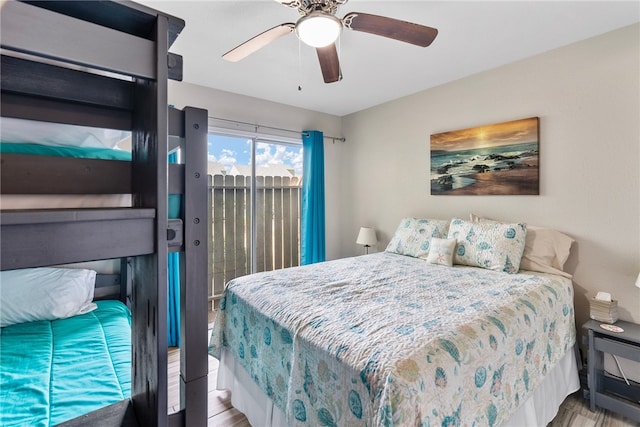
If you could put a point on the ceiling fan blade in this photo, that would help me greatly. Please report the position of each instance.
(396, 29)
(258, 42)
(329, 63)
(290, 3)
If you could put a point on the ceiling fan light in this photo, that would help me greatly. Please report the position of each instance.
(318, 29)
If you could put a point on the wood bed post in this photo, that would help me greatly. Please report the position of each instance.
(149, 184)
(194, 366)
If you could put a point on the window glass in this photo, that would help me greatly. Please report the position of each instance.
(253, 230)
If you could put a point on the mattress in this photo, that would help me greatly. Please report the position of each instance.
(54, 371)
(62, 201)
(19, 136)
(60, 151)
(386, 339)
(21, 131)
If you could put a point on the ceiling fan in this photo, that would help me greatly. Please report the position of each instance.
(320, 28)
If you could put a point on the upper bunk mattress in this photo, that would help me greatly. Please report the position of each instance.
(390, 340)
(54, 371)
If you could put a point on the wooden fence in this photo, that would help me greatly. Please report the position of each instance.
(278, 203)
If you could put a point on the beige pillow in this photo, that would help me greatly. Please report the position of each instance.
(546, 250)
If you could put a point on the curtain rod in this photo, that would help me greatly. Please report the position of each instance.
(256, 127)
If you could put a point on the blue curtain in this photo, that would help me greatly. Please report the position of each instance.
(173, 282)
(312, 241)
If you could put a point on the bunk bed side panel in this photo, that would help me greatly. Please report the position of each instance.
(120, 232)
(47, 80)
(119, 414)
(56, 37)
(131, 18)
(32, 174)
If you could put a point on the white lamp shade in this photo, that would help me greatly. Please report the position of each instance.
(318, 29)
(367, 237)
(638, 281)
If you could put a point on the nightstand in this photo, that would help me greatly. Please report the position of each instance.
(606, 391)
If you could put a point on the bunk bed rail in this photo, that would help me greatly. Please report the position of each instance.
(41, 238)
(57, 29)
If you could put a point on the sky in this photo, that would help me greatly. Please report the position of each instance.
(233, 150)
(514, 132)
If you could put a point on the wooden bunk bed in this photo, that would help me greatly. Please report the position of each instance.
(106, 64)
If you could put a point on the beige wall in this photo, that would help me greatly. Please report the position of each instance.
(587, 96)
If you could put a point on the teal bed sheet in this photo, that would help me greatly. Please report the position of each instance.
(65, 151)
(54, 371)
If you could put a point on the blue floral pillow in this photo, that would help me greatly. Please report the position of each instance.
(490, 245)
(413, 236)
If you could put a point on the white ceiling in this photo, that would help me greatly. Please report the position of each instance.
(473, 36)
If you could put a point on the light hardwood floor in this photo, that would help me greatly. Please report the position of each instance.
(221, 412)
(574, 412)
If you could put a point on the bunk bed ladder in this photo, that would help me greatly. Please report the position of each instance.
(193, 275)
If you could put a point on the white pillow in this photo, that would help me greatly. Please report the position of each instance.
(546, 250)
(491, 245)
(413, 236)
(46, 293)
(441, 251)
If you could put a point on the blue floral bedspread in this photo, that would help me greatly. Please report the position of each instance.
(390, 340)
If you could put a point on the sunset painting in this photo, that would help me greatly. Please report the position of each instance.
(498, 159)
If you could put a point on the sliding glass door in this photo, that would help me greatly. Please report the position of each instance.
(255, 206)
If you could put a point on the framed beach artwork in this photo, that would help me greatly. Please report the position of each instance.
(497, 159)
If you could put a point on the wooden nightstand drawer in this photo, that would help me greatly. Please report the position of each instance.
(629, 351)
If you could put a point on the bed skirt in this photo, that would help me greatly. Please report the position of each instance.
(538, 410)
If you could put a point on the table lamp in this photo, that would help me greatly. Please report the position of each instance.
(367, 237)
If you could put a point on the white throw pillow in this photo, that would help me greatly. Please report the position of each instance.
(46, 293)
(441, 251)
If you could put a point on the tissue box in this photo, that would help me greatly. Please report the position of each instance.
(603, 311)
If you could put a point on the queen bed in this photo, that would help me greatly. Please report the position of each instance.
(390, 339)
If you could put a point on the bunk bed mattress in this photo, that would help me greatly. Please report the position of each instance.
(54, 371)
(59, 140)
(386, 339)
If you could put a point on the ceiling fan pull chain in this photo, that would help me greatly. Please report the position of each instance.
(299, 65)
